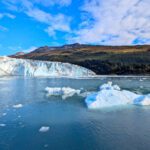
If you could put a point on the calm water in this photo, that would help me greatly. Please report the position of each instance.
(72, 125)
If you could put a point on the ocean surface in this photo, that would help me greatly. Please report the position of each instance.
(25, 108)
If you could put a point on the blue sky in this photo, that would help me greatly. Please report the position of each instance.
(28, 24)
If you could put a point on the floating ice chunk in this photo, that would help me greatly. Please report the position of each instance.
(53, 91)
(86, 93)
(44, 129)
(142, 100)
(46, 145)
(4, 114)
(65, 92)
(131, 96)
(106, 98)
(2, 125)
(17, 106)
(109, 86)
(144, 78)
(110, 95)
(91, 100)
(116, 87)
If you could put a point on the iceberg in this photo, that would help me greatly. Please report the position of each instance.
(142, 100)
(2, 125)
(111, 95)
(65, 92)
(35, 68)
(17, 106)
(44, 129)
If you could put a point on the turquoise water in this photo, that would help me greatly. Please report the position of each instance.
(72, 125)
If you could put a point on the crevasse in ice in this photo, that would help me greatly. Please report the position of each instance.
(111, 95)
(34, 68)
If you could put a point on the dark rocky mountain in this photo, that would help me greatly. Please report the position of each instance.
(46, 49)
(122, 60)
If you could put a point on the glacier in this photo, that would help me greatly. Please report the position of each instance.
(111, 95)
(34, 68)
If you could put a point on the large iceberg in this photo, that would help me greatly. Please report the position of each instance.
(111, 95)
(34, 68)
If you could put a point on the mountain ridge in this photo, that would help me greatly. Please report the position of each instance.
(121, 60)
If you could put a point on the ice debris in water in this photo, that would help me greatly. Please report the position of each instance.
(109, 86)
(17, 106)
(44, 129)
(65, 92)
(46, 145)
(112, 95)
(4, 114)
(2, 125)
(142, 100)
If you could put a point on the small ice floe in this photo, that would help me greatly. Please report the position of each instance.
(65, 92)
(44, 129)
(17, 106)
(111, 95)
(4, 114)
(144, 78)
(143, 100)
(46, 145)
(86, 93)
(109, 86)
(2, 125)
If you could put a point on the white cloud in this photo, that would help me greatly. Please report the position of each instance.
(30, 49)
(20, 49)
(57, 22)
(1, 16)
(39, 15)
(115, 22)
(54, 2)
(2, 28)
(10, 15)
(27, 3)
(7, 15)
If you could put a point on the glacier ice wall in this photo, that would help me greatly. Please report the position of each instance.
(34, 68)
(111, 95)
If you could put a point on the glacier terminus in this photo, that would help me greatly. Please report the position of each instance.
(34, 68)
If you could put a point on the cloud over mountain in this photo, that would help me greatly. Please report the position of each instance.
(115, 22)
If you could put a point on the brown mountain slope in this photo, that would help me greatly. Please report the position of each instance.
(124, 60)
